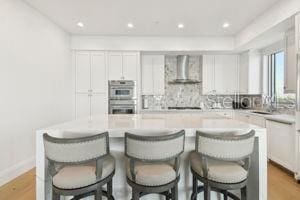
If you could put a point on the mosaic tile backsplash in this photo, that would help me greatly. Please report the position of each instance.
(190, 95)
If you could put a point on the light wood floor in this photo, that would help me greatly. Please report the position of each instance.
(281, 186)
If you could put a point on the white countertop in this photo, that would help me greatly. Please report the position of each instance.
(116, 124)
(284, 118)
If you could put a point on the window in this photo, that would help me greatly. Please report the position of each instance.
(276, 64)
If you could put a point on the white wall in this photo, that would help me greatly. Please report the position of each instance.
(152, 43)
(269, 19)
(35, 83)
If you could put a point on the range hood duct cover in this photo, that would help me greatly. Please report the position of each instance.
(183, 71)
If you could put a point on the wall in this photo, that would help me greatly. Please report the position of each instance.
(269, 19)
(152, 43)
(35, 83)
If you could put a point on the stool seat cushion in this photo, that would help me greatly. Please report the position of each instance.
(77, 176)
(152, 174)
(219, 171)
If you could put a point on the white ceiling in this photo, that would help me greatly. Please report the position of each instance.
(110, 17)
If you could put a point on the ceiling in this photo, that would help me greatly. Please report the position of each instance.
(152, 17)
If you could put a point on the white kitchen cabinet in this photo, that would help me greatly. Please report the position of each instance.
(115, 65)
(98, 72)
(220, 74)
(208, 72)
(290, 70)
(123, 65)
(89, 105)
(250, 72)
(297, 29)
(282, 143)
(82, 103)
(91, 83)
(130, 66)
(226, 73)
(83, 66)
(153, 75)
(91, 75)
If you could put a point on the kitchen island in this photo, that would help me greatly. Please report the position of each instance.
(116, 125)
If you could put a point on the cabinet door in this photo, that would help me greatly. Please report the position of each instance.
(219, 79)
(281, 144)
(297, 28)
(159, 75)
(230, 74)
(98, 73)
(147, 75)
(208, 74)
(115, 69)
(254, 70)
(83, 72)
(99, 104)
(243, 73)
(82, 105)
(130, 66)
(290, 63)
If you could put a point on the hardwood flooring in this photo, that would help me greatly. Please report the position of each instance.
(281, 186)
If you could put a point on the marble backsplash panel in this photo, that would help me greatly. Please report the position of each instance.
(183, 95)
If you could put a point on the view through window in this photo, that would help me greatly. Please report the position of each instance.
(277, 80)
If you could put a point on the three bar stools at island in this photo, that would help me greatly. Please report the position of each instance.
(80, 167)
(221, 162)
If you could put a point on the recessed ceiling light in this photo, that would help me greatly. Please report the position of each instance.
(130, 25)
(226, 25)
(80, 24)
(180, 25)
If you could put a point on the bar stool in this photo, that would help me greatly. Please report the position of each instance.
(79, 167)
(153, 163)
(221, 162)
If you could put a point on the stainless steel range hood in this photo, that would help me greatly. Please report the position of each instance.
(183, 71)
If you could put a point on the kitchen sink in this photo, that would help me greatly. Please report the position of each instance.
(262, 112)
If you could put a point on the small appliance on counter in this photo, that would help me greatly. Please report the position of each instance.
(122, 97)
(240, 104)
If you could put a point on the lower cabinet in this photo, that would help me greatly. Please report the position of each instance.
(282, 143)
(90, 104)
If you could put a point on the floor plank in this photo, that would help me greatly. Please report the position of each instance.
(281, 186)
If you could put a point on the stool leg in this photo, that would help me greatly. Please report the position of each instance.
(55, 196)
(225, 194)
(195, 185)
(109, 190)
(206, 191)
(175, 192)
(135, 195)
(244, 193)
(98, 195)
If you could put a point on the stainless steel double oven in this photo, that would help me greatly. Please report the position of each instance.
(122, 97)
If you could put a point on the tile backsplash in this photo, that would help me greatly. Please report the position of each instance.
(190, 95)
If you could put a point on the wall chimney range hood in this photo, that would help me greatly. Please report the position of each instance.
(183, 71)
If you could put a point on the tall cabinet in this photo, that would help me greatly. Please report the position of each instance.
(153, 75)
(220, 74)
(90, 83)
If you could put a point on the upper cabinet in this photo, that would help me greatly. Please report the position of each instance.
(297, 28)
(250, 72)
(220, 74)
(153, 75)
(91, 72)
(123, 65)
(290, 70)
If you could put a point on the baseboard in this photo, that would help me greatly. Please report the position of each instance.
(16, 170)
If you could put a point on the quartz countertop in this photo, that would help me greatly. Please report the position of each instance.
(116, 124)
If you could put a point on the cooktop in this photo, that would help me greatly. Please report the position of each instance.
(184, 108)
